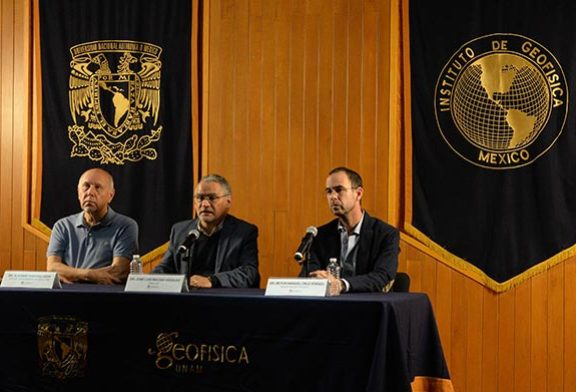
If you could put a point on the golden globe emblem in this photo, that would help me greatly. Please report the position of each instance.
(501, 101)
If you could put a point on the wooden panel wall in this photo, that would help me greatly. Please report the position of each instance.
(19, 249)
(291, 89)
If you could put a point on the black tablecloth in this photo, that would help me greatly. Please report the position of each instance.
(88, 337)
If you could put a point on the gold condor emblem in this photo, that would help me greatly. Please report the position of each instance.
(114, 96)
(62, 346)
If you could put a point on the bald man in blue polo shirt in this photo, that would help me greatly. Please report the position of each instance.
(94, 245)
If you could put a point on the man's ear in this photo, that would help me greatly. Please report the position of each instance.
(360, 192)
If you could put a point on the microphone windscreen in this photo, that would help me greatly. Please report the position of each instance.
(312, 230)
(194, 233)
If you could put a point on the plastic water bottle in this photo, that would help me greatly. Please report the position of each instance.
(333, 268)
(136, 265)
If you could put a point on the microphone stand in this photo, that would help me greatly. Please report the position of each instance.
(306, 255)
(185, 259)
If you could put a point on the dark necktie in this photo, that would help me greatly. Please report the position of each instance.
(348, 257)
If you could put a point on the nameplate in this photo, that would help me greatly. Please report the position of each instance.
(156, 283)
(31, 280)
(301, 287)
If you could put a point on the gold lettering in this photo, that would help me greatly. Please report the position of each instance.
(203, 352)
(107, 45)
(514, 157)
(84, 49)
(181, 368)
(451, 74)
(176, 349)
(542, 59)
(217, 353)
(534, 52)
(188, 349)
(553, 78)
(243, 356)
(184, 357)
(557, 102)
(444, 104)
(128, 46)
(229, 359)
(503, 159)
(483, 157)
(526, 46)
(150, 49)
(500, 45)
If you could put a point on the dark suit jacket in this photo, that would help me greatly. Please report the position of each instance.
(377, 257)
(236, 256)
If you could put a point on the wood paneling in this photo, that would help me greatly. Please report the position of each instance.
(293, 88)
(19, 249)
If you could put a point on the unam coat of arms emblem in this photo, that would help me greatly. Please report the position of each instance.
(114, 96)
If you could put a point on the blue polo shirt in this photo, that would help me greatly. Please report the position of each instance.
(83, 246)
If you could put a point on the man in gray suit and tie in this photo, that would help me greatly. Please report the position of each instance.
(224, 250)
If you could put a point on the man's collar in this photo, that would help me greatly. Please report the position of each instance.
(357, 228)
(104, 222)
(216, 230)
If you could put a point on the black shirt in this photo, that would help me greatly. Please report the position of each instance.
(204, 255)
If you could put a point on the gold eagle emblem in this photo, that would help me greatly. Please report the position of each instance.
(114, 97)
(62, 346)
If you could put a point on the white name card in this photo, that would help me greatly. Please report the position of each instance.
(156, 283)
(304, 287)
(31, 280)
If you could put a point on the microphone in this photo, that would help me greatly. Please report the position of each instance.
(306, 243)
(190, 238)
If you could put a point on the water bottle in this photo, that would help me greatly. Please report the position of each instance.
(136, 265)
(333, 268)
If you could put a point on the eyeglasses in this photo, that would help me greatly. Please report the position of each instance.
(210, 198)
(339, 190)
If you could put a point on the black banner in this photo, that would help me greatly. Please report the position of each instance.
(493, 186)
(116, 93)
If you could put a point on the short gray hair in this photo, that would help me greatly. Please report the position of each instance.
(218, 179)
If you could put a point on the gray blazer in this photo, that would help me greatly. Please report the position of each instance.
(236, 256)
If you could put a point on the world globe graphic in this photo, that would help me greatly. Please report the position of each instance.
(164, 342)
(501, 102)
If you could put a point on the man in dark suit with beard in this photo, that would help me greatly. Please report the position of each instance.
(366, 247)
(225, 254)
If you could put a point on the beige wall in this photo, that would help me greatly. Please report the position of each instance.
(291, 89)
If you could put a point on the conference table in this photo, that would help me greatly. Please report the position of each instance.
(99, 338)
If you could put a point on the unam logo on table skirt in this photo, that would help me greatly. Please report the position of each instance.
(62, 345)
